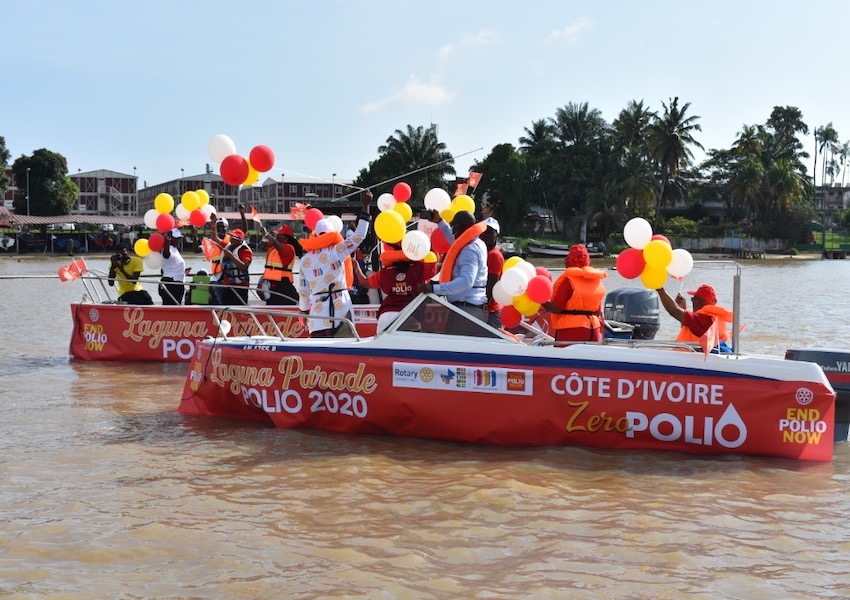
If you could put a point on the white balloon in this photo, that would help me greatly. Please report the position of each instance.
(528, 268)
(501, 295)
(637, 232)
(153, 260)
(426, 227)
(150, 218)
(224, 328)
(208, 209)
(386, 202)
(437, 199)
(220, 147)
(681, 263)
(181, 211)
(415, 245)
(514, 281)
(336, 223)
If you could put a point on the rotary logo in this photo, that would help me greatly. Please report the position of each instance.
(804, 396)
(94, 315)
(426, 374)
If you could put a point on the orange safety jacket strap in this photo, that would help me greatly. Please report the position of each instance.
(459, 244)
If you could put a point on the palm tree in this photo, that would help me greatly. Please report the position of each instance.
(670, 139)
(631, 127)
(539, 140)
(579, 125)
(416, 151)
(844, 155)
(826, 141)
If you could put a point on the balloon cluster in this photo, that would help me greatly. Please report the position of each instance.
(236, 169)
(194, 208)
(521, 290)
(439, 201)
(391, 224)
(650, 256)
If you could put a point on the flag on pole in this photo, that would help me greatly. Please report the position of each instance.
(208, 246)
(709, 339)
(73, 270)
(255, 215)
(473, 179)
(461, 189)
(298, 211)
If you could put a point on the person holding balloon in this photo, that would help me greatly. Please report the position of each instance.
(696, 323)
(280, 258)
(171, 288)
(398, 279)
(236, 258)
(577, 296)
(213, 251)
(495, 265)
(463, 278)
(322, 288)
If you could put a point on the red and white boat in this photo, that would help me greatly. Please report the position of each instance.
(106, 330)
(417, 379)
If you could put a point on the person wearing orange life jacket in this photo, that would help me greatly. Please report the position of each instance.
(280, 258)
(577, 295)
(696, 322)
(220, 241)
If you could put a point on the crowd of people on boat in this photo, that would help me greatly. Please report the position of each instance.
(332, 278)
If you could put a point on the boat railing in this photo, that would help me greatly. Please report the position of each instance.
(272, 317)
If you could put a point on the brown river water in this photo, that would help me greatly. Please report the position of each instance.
(106, 492)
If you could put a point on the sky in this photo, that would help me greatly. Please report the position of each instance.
(142, 87)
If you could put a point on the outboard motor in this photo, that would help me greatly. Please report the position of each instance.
(638, 307)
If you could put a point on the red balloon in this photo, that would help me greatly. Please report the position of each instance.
(510, 317)
(539, 289)
(401, 192)
(544, 271)
(198, 218)
(234, 169)
(630, 263)
(164, 222)
(156, 242)
(663, 238)
(312, 216)
(262, 158)
(439, 243)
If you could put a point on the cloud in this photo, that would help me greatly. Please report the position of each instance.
(414, 93)
(571, 33)
(485, 37)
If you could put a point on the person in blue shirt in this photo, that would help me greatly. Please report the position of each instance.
(463, 280)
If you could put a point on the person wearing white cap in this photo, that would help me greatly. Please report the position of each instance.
(171, 288)
(495, 265)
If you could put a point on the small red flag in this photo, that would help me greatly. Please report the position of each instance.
(709, 339)
(254, 215)
(474, 179)
(208, 246)
(461, 189)
(73, 270)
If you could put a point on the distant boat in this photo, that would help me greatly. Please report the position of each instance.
(536, 248)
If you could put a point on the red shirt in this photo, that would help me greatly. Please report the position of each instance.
(400, 287)
(698, 323)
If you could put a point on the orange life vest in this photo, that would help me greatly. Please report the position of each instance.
(215, 256)
(275, 269)
(723, 316)
(459, 244)
(588, 293)
(348, 265)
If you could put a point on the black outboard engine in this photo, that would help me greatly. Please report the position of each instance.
(638, 307)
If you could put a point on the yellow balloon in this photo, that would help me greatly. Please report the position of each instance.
(657, 254)
(511, 262)
(253, 176)
(389, 227)
(463, 202)
(204, 196)
(653, 277)
(163, 203)
(447, 215)
(525, 305)
(141, 247)
(403, 208)
(190, 201)
(430, 258)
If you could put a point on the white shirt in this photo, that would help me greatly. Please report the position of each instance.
(174, 266)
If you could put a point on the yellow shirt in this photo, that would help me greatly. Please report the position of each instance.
(134, 266)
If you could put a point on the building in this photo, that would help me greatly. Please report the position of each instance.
(105, 192)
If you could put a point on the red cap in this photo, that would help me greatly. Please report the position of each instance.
(238, 233)
(284, 230)
(577, 256)
(705, 293)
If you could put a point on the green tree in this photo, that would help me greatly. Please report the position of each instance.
(416, 151)
(4, 162)
(538, 147)
(671, 137)
(51, 191)
(633, 170)
(504, 186)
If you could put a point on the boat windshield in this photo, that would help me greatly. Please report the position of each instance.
(432, 316)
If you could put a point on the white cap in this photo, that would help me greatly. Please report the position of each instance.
(222, 220)
(175, 233)
(492, 223)
(323, 226)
